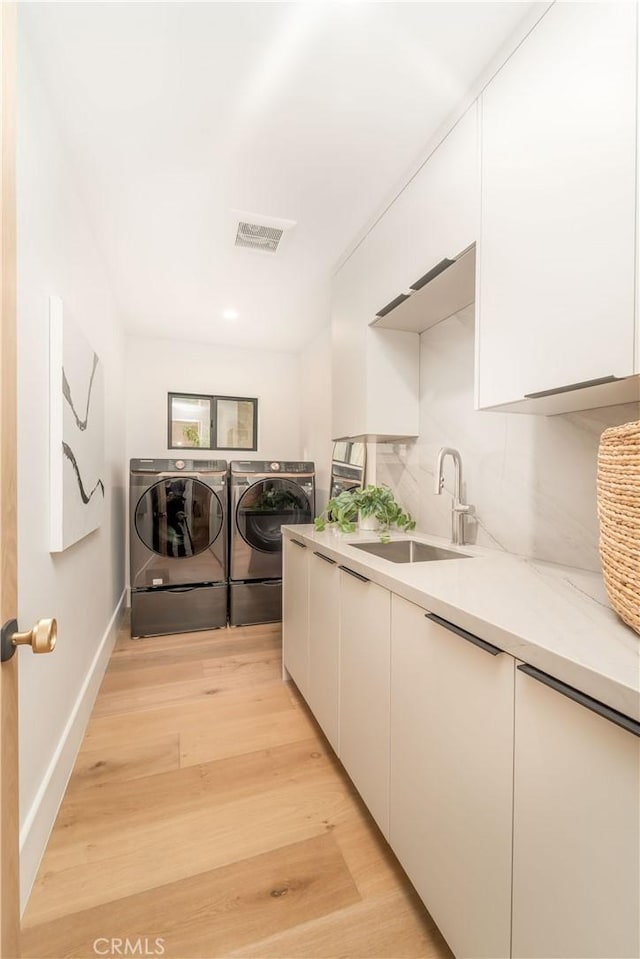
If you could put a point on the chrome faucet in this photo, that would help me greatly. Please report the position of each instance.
(458, 508)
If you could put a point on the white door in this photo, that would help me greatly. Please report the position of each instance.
(576, 854)
(556, 256)
(42, 638)
(452, 779)
(9, 819)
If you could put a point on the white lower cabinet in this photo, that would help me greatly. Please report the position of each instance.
(451, 778)
(295, 611)
(576, 882)
(365, 637)
(511, 800)
(324, 644)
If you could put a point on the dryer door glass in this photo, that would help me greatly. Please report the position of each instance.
(179, 517)
(265, 507)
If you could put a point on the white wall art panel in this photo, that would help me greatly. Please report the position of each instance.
(76, 432)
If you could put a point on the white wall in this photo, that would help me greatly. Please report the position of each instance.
(532, 479)
(82, 587)
(315, 383)
(156, 367)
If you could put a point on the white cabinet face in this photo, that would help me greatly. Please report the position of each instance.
(324, 644)
(558, 206)
(434, 218)
(365, 611)
(443, 199)
(576, 885)
(451, 779)
(348, 349)
(295, 612)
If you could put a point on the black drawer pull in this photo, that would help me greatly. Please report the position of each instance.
(573, 386)
(325, 558)
(391, 306)
(363, 579)
(298, 543)
(619, 719)
(432, 274)
(459, 631)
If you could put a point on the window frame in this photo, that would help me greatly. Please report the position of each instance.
(212, 399)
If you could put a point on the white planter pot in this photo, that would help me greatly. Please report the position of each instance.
(368, 522)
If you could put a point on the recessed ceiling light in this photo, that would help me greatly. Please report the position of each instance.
(229, 314)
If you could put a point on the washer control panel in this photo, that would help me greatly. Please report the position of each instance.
(273, 466)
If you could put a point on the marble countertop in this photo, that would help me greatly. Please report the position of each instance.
(556, 618)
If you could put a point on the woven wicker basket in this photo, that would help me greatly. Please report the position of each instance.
(619, 515)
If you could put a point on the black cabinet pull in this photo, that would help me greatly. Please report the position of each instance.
(298, 543)
(325, 558)
(573, 386)
(470, 637)
(432, 274)
(391, 306)
(619, 719)
(363, 579)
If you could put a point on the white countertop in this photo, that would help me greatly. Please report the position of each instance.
(554, 617)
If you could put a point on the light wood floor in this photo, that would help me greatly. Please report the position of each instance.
(207, 810)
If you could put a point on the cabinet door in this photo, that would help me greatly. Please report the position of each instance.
(576, 866)
(375, 373)
(443, 199)
(324, 643)
(349, 326)
(365, 618)
(295, 612)
(556, 256)
(452, 779)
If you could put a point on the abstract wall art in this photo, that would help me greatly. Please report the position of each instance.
(77, 465)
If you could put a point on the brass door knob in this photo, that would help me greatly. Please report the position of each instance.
(42, 638)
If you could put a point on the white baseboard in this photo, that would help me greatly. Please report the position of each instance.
(38, 823)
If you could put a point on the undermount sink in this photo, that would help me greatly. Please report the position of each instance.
(409, 551)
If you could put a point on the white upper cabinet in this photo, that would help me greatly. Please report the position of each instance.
(435, 218)
(439, 212)
(375, 373)
(558, 209)
(443, 199)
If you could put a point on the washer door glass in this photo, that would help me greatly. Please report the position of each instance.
(179, 517)
(265, 507)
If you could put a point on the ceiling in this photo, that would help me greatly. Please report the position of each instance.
(178, 114)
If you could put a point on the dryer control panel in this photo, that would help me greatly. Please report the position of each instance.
(271, 466)
(177, 466)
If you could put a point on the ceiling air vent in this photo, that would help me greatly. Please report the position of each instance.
(255, 231)
(254, 236)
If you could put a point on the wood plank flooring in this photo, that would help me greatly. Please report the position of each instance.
(206, 810)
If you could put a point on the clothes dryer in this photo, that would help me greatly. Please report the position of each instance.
(178, 545)
(265, 495)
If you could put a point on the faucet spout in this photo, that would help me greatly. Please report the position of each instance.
(458, 508)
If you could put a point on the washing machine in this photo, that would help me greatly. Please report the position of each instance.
(264, 497)
(178, 545)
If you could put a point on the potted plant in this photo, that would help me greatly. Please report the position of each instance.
(375, 506)
(341, 512)
(378, 510)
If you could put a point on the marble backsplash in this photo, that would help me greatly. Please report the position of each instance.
(531, 479)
